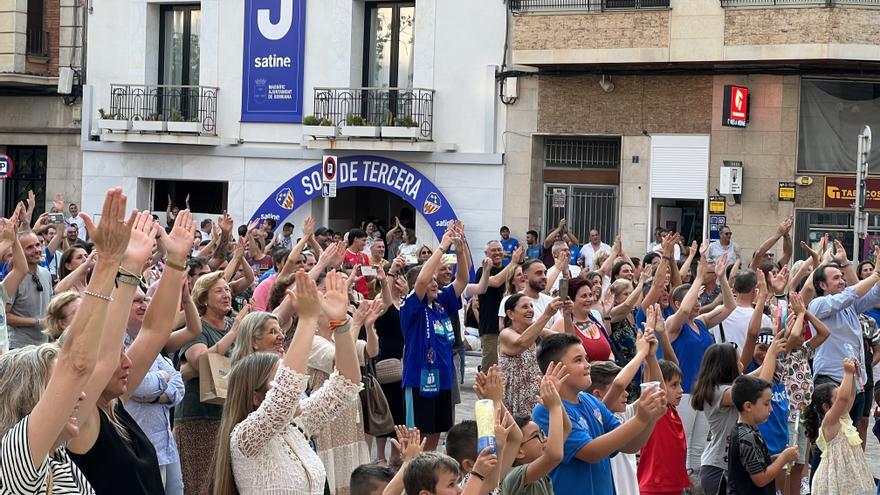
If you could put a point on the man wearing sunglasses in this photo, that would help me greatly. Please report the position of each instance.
(724, 244)
(26, 314)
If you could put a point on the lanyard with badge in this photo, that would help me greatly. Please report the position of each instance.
(429, 384)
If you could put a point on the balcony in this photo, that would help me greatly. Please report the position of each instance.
(160, 113)
(37, 43)
(372, 113)
(522, 6)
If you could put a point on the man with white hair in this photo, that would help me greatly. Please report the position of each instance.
(491, 299)
(562, 255)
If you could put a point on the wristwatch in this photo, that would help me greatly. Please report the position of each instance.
(127, 279)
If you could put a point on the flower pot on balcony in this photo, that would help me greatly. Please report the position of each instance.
(114, 125)
(320, 131)
(366, 131)
(396, 132)
(184, 127)
(148, 125)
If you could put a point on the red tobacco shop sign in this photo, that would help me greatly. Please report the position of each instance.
(840, 192)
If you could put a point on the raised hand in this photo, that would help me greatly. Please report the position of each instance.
(651, 406)
(245, 310)
(59, 202)
(839, 253)
(7, 230)
(304, 296)
(785, 226)
(178, 244)
(409, 442)
(376, 308)
(486, 463)
(850, 365)
(548, 395)
(780, 280)
(31, 200)
(796, 303)
(113, 232)
(334, 302)
(487, 265)
(308, 228)
(225, 222)
(553, 306)
(489, 385)
(557, 373)
(642, 344)
(721, 266)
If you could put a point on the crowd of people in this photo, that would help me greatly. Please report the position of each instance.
(197, 358)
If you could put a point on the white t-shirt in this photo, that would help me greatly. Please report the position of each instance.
(623, 466)
(538, 305)
(588, 253)
(716, 250)
(736, 326)
(658, 248)
(574, 270)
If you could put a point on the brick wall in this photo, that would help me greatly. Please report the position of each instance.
(801, 25)
(657, 104)
(47, 66)
(585, 31)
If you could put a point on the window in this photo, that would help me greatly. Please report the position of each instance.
(832, 114)
(29, 174)
(388, 50)
(582, 152)
(37, 37)
(204, 197)
(584, 207)
(179, 45)
(811, 225)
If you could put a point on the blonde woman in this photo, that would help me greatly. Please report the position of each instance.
(258, 332)
(263, 445)
(195, 423)
(42, 387)
(60, 312)
(111, 449)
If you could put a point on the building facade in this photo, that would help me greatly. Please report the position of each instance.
(41, 74)
(625, 118)
(234, 104)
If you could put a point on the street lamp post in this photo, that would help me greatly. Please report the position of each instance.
(860, 217)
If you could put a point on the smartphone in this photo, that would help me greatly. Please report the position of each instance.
(368, 271)
(563, 289)
(56, 217)
(449, 259)
(412, 259)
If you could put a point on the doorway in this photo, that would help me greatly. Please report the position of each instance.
(354, 205)
(682, 216)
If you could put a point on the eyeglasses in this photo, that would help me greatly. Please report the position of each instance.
(539, 435)
(728, 233)
(36, 280)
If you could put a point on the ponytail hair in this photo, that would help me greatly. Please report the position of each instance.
(815, 412)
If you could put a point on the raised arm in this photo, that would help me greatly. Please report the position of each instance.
(621, 311)
(79, 353)
(718, 314)
(483, 284)
(19, 261)
(429, 269)
(462, 261)
(686, 267)
(297, 249)
(608, 264)
(846, 395)
(500, 278)
(675, 322)
(160, 315)
(668, 255)
(628, 373)
(553, 235)
(513, 343)
(782, 230)
(192, 323)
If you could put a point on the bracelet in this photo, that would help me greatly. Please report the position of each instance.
(846, 265)
(478, 476)
(174, 266)
(441, 249)
(127, 278)
(781, 296)
(97, 296)
(340, 329)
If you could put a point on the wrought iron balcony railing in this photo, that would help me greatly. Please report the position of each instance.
(393, 107)
(518, 6)
(801, 3)
(37, 43)
(193, 104)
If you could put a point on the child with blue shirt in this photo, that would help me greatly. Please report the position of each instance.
(596, 433)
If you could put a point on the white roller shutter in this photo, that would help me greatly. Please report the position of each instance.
(679, 166)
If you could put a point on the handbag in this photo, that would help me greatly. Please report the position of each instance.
(213, 371)
(389, 371)
(376, 412)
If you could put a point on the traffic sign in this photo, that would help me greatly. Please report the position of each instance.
(5, 166)
(330, 169)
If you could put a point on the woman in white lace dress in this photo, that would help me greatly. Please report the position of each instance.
(263, 445)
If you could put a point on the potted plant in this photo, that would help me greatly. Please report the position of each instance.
(112, 122)
(318, 128)
(177, 124)
(357, 126)
(403, 128)
(151, 123)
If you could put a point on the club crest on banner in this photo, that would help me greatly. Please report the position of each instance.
(284, 198)
(432, 204)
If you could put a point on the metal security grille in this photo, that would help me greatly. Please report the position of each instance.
(517, 6)
(582, 152)
(584, 208)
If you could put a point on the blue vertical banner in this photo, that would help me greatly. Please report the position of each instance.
(274, 53)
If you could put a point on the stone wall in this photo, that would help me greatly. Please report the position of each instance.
(656, 104)
(785, 26)
(585, 31)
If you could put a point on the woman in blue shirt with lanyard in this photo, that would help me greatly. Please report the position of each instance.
(688, 332)
(428, 373)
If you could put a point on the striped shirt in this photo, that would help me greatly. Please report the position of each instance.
(18, 475)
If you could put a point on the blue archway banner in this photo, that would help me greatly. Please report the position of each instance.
(363, 171)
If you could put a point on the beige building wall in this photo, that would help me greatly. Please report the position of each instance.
(13, 35)
(768, 149)
(520, 200)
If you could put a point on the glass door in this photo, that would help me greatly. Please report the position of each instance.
(179, 61)
(388, 60)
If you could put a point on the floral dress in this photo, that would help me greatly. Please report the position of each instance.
(341, 444)
(843, 469)
(269, 449)
(522, 381)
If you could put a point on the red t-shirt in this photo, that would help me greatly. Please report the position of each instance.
(662, 466)
(362, 259)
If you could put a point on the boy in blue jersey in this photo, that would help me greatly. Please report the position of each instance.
(596, 433)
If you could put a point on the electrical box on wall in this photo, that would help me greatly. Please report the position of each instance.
(731, 179)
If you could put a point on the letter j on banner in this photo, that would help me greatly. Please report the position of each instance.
(274, 40)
